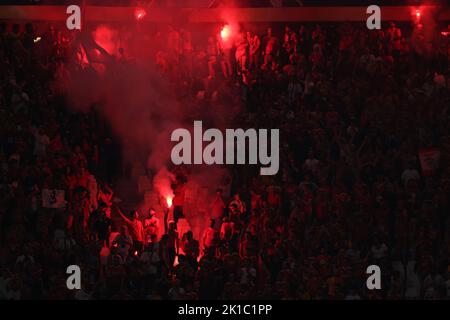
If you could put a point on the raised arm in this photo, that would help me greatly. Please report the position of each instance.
(177, 244)
(128, 221)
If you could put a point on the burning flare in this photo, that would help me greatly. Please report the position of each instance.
(162, 183)
(139, 13)
(169, 201)
(225, 32)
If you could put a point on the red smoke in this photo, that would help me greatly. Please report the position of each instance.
(139, 104)
(162, 182)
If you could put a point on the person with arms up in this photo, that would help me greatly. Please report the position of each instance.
(136, 229)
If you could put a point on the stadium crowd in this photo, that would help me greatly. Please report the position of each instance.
(355, 110)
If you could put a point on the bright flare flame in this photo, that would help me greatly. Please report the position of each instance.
(169, 201)
(418, 14)
(139, 13)
(37, 39)
(225, 32)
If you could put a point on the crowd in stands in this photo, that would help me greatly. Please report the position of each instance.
(355, 109)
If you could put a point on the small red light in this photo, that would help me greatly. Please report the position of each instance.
(418, 14)
(139, 13)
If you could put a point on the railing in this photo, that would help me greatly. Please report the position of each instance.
(206, 15)
(232, 3)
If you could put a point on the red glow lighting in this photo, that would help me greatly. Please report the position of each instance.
(418, 14)
(139, 13)
(225, 32)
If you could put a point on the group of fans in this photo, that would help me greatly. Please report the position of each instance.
(355, 109)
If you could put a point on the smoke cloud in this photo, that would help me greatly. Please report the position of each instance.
(141, 106)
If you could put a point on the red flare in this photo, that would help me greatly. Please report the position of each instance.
(139, 13)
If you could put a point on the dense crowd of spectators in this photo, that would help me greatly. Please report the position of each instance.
(354, 108)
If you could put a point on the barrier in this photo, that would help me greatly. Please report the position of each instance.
(205, 15)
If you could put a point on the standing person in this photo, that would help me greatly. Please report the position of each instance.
(151, 226)
(105, 194)
(237, 207)
(136, 229)
(178, 201)
(255, 202)
(209, 240)
(101, 223)
(394, 36)
(79, 215)
(225, 48)
(287, 46)
(164, 254)
(227, 230)
(217, 208)
(123, 242)
(170, 241)
(187, 50)
(255, 51)
(41, 142)
(270, 49)
(212, 52)
(173, 242)
(241, 53)
(190, 248)
(152, 261)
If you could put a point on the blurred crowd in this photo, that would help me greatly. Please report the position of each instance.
(356, 110)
